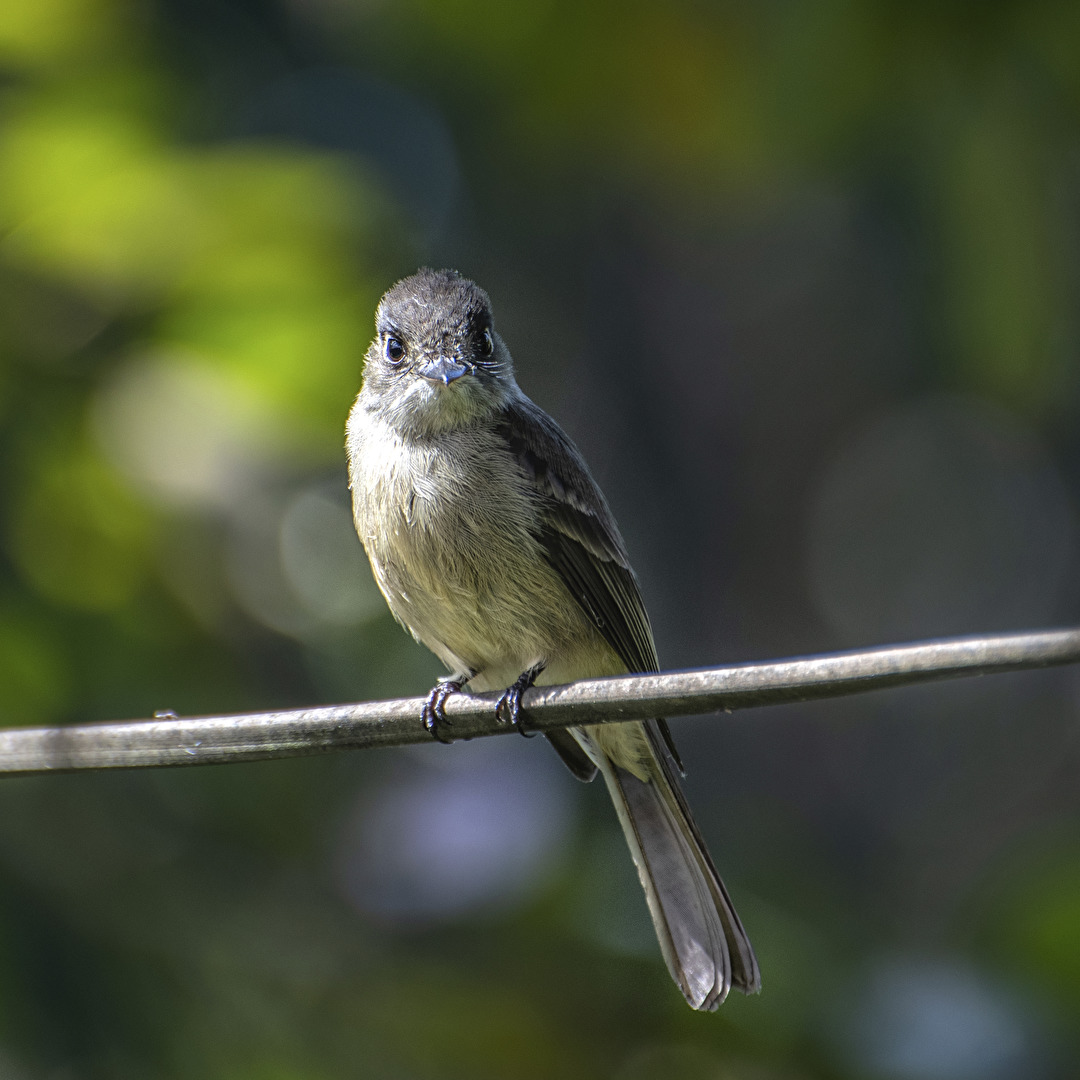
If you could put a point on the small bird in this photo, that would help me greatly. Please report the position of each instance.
(495, 548)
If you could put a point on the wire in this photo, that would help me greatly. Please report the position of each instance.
(170, 740)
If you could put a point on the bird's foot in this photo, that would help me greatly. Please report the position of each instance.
(508, 707)
(433, 713)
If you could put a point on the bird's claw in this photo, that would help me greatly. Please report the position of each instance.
(433, 714)
(508, 707)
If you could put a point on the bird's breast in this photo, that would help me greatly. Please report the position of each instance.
(450, 530)
(446, 508)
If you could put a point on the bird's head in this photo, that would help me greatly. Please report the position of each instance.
(436, 362)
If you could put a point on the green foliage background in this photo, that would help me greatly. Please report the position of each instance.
(884, 199)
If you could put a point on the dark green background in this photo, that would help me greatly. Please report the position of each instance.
(801, 279)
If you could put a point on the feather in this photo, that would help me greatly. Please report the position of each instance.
(702, 940)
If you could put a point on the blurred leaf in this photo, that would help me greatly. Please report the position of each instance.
(34, 684)
(34, 32)
(97, 199)
(1005, 254)
(1036, 924)
(79, 536)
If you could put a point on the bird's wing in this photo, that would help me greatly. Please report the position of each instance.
(581, 540)
(579, 534)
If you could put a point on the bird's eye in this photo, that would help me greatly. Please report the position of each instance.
(395, 350)
(487, 343)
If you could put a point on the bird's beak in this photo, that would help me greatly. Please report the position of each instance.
(443, 369)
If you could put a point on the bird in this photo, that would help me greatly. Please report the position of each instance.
(495, 548)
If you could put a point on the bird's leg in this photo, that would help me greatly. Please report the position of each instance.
(508, 707)
(433, 713)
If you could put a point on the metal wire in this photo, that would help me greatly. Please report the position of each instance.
(169, 740)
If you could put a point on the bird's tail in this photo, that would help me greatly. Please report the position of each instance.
(704, 944)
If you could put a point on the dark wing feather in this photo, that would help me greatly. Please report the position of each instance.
(579, 534)
(573, 757)
(581, 539)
